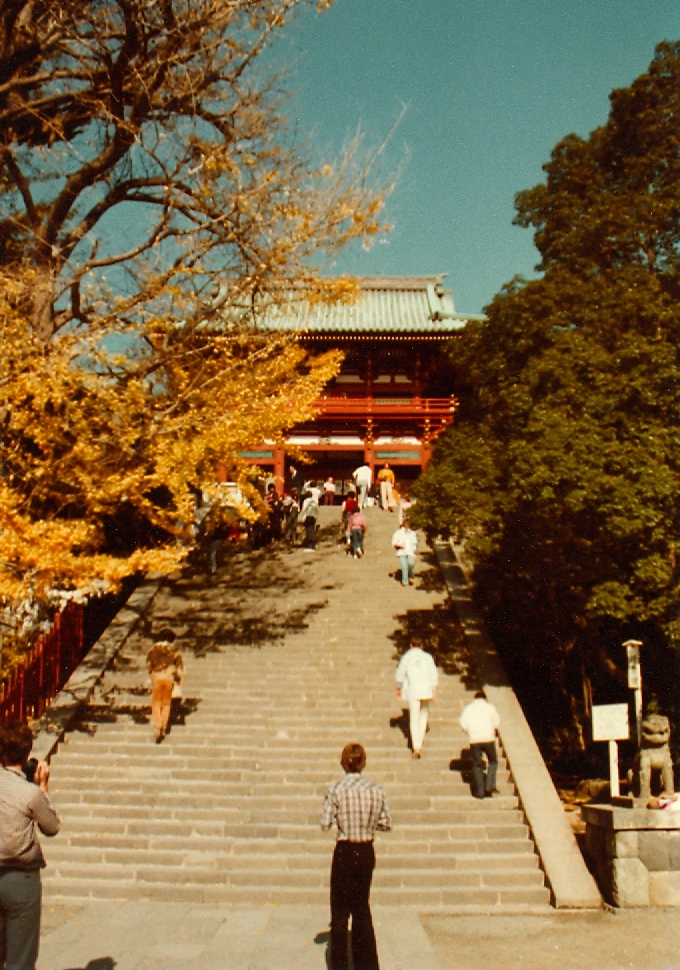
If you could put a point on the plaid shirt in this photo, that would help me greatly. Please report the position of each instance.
(23, 806)
(358, 806)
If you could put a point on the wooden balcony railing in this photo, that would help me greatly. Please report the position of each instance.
(32, 684)
(438, 408)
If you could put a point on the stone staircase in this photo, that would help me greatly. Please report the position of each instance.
(288, 656)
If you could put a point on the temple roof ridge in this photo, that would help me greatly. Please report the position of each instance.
(419, 282)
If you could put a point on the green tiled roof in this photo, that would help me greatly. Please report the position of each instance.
(387, 304)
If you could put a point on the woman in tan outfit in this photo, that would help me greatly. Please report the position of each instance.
(167, 670)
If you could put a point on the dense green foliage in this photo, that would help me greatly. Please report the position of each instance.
(562, 474)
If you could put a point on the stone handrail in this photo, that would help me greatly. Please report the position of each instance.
(571, 884)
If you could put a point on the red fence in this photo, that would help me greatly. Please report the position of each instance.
(33, 684)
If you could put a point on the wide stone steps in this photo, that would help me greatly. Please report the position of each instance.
(226, 810)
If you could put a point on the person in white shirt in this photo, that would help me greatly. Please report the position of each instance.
(417, 679)
(363, 476)
(480, 722)
(312, 488)
(329, 491)
(405, 542)
(309, 513)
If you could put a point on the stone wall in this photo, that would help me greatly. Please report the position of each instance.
(635, 852)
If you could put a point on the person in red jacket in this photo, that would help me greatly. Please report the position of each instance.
(349, 506)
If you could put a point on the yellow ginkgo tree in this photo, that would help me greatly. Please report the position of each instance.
(156, 210)
(100, 464)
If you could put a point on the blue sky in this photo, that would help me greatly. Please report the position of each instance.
(491, 86)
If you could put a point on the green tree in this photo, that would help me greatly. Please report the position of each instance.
(563, 470)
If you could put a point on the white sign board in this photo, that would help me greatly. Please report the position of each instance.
(610, 722)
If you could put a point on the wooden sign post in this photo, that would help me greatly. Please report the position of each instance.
(635, 682)
(610, 723)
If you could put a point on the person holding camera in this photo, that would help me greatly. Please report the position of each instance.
(24, 803)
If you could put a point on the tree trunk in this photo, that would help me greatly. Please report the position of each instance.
(43, 302)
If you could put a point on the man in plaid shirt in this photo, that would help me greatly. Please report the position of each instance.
(358, 807)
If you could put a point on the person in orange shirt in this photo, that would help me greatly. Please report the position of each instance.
(166, 668)
(386, 479)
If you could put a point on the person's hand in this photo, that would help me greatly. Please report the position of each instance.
(398, 692)
(434, 695)
(42, 776)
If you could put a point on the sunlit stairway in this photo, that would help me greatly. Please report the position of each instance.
(227, 808)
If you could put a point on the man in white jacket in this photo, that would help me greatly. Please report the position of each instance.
(480, 721)
(363, 476)
(417, 679)
(405, 542)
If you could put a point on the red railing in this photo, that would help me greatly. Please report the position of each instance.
(32, 685)
(392, 407)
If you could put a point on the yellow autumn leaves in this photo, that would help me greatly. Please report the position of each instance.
(101, 452)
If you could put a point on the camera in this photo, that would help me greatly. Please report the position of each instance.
(29, 769)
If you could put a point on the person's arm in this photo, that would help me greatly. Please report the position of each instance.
(384, 823)
(400, 676)
(434, 678)
(329, 811)
(42, 811)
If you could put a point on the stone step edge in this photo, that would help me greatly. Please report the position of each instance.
(80, 686)
(471, 909)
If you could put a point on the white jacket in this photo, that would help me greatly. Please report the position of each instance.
(405, 541)
(362, 475)
(479, 720)
(417, 675)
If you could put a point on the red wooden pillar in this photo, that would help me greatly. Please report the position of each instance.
(279, 469)
(426, 447)
(369, 451)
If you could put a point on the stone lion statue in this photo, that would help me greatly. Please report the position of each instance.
(654, 754)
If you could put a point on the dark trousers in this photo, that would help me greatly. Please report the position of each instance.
(483, 781)
(310, 532)
(351, 874)
(20, 894)
(291, 525)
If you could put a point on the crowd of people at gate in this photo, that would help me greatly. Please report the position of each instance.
(297, 508)
(292, 514)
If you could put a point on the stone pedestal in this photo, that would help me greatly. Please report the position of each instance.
(636, 854)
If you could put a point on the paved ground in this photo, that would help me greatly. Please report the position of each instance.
(172, 936)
